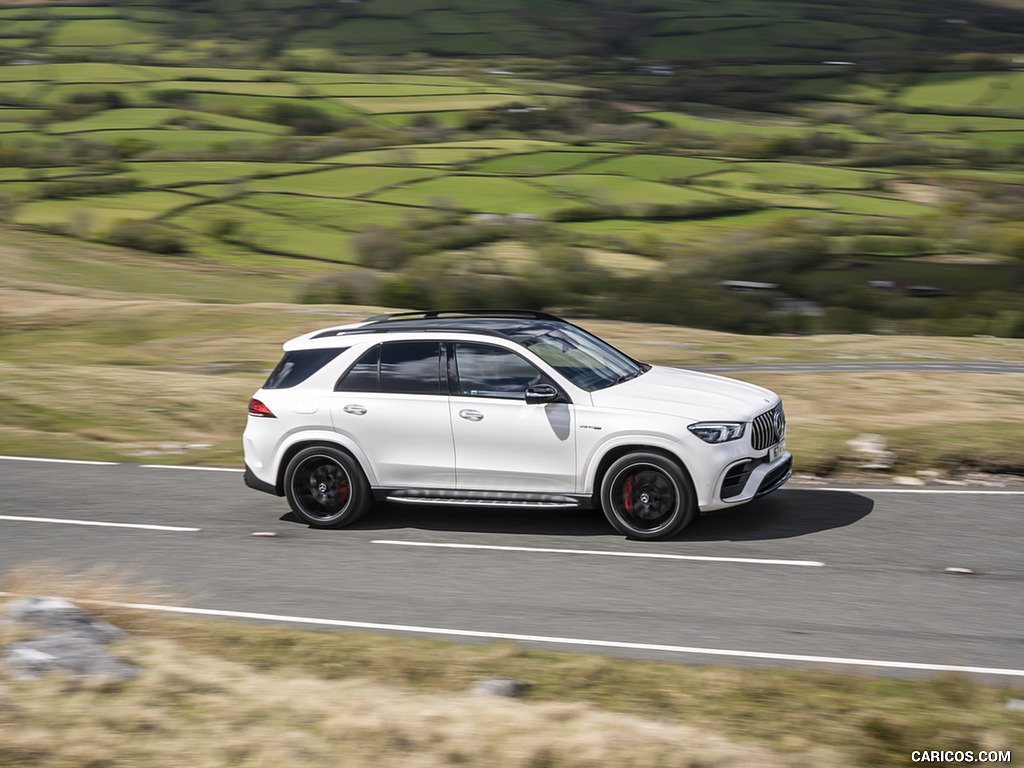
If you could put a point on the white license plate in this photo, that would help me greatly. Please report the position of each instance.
(776, 451)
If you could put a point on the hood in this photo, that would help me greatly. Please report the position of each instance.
(687, 394)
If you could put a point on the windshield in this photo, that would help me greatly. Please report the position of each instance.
(583, 359)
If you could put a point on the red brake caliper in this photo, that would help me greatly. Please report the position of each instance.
(343, 493)
(627, 494)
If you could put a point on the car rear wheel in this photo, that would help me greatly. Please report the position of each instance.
(326, 488)
(647, 496)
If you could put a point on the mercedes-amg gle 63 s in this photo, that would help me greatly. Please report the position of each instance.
(505, 408)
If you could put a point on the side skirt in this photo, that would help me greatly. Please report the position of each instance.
(468, 498)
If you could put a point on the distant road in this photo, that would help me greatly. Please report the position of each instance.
(862, 580)
(783, 367)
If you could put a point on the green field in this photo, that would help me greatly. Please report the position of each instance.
(100, 32)
(956, 89)
(389, 104)
(482, 194)
(657, 167)
(805, 175)
(150, 117)
(536, 163)
(352, 215)
(98, 213)
(341, 182)
(157, 174)
(268, 232)
(619, 190)
(632, 160)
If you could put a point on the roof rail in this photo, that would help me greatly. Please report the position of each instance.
(409, 329)
(435, 313)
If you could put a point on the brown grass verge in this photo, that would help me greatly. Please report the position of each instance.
(218, 694)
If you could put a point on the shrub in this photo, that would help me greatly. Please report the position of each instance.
(84, 187)
(147, 236)
(304, 118)
(586, 213)
(378, 247)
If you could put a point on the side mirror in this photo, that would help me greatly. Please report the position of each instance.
(541, 393)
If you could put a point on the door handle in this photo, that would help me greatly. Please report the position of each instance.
(355, 410)
(469, 415)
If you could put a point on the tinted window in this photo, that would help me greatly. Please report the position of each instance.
(408, 367)
(486, 371)
(364, 375)
(297, 366)
(411, 367)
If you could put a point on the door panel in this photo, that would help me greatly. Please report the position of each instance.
(508, 445)
(501, 443)
(408, 438)
(393, 402)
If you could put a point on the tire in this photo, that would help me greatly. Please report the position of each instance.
(326, 488)
(647, 496)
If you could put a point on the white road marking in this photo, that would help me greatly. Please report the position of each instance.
(58, 461)
(196, 469)
(571, 641)
(950, 491)
(61, 521)
(607, 553)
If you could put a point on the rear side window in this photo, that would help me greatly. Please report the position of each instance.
(406, 367)
(297, 366)
(364, 376)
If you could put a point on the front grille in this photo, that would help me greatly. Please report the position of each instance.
(768, 428)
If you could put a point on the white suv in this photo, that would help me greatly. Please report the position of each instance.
(505, 408)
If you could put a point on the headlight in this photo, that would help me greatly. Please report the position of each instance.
(718, 431)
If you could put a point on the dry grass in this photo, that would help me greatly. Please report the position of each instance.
(105, 591)
(117, 380)
(228, 694)
(200, 711)
(931, 420)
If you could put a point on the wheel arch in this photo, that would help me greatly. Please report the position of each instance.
(301, 445)
(616, 452)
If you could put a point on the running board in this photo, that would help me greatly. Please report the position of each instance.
(507, 503)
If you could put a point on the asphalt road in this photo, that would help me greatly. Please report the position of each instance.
(844, 579)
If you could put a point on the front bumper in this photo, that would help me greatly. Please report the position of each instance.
(749, 479)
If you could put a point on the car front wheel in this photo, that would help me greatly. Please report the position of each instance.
(647, 496)
(326, 488)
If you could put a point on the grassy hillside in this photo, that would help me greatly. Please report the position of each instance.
(878, 192)
(672, 30)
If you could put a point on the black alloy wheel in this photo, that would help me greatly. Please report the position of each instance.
(326, 488)
(647, 496)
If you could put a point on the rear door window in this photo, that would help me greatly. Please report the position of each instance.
(403, 367)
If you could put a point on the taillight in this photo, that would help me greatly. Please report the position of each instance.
(256, 408)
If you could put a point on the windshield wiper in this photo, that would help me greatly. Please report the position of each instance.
(628, 376)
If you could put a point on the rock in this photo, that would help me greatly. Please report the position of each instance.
(81, 656)
(873, 452)
(499, 686)
(60, 616)
(76, 647)
(905, 480)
